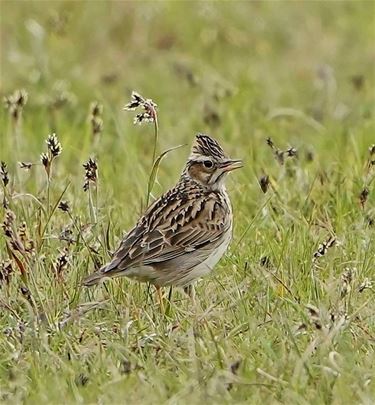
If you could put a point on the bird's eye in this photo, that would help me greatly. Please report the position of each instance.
(208, 164)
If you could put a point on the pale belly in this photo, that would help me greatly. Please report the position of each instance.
(175, 276)
(207, 266)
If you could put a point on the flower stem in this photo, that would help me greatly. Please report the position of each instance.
(156, 137)
(91, 207)
(48, 194)
(48, 200)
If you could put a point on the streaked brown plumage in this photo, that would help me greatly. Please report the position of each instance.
(184, 233)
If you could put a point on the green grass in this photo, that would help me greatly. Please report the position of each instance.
(229, 69)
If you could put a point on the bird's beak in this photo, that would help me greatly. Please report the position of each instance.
(231, 164)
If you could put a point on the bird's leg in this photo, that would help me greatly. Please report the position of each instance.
(168, 308)
(160, 296)
(190, 291)
(170, 293)
(149, 294)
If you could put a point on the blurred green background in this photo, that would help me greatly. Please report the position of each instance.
(300, 72)
(225, 68)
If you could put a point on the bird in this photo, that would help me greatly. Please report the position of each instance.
(184, 233)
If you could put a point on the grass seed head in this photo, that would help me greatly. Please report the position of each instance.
(60, 97)
(96, 109)
(281, 154)
(369, 220)
(264, 183)
(66, 235)
(265, 261)
(365, 285)
(363, 196)
(27, 294)
(211, 116)
(15, 103)
(4, 173)
(46, 162)
(25, 165)
(346, 281)
(54, 146)
(235, 366)
(17, 245)
(44, 159)
(20, 98)
(309, 156)
(81, 380)
(148, 114)
(371, 160)
(61, 262)
(64, 206)
(291, 152)
(22, 230)
(323, 248)
(96, 125)
(8, 223)
(24, 242)
(125, 367)
(314, 315)
(91, 173)
(54, 150)
(6, 270)
(270, 143)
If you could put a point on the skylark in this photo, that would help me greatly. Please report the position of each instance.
(185, 232)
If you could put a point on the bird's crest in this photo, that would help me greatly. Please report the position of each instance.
(207, 146)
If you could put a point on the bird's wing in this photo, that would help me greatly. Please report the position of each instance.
(172, 227)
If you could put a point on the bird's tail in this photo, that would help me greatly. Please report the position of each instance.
(107, 271)
(95, 278)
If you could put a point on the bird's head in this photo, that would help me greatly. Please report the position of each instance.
(208, 164)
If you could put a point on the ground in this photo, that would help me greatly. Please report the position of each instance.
(288, 314)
